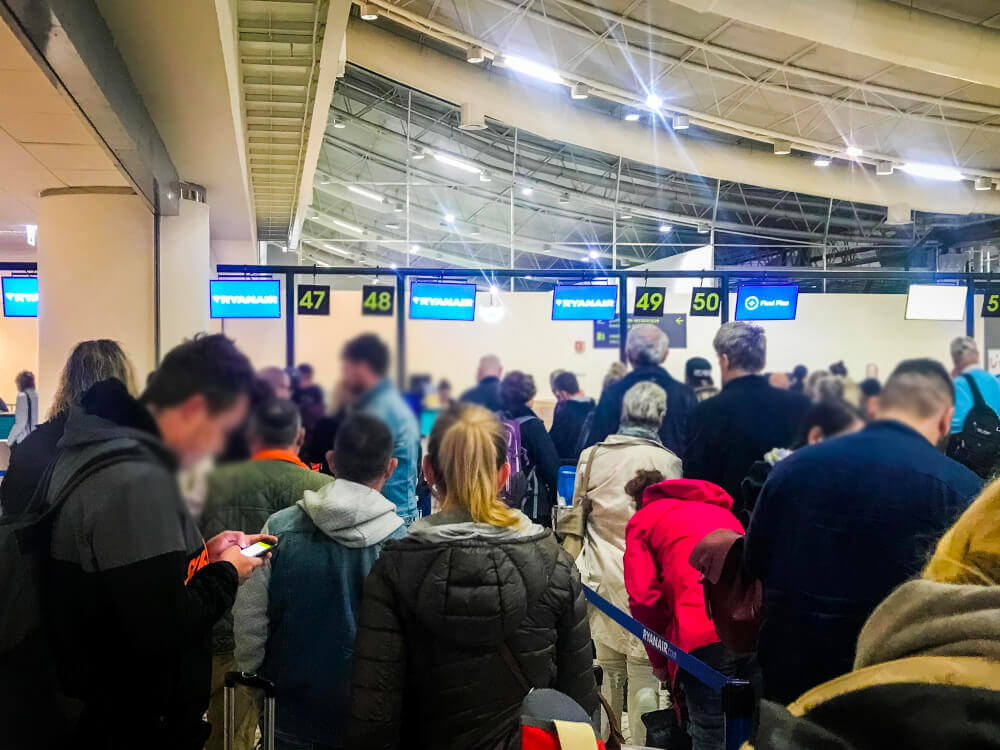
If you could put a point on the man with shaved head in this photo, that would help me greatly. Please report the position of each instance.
(841, 523)
(486, 392)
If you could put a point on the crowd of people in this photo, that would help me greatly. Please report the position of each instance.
(808, 502)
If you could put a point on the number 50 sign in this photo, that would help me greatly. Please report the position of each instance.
(705, 302)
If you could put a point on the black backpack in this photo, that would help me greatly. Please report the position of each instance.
(34, 711)
(977, 446)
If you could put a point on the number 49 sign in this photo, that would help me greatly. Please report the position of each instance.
(377, 300)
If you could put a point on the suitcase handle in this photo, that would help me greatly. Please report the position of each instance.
(251, 680)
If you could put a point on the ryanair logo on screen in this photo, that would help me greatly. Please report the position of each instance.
(444, 301)
(243, 299)
(586, 303)
(22, 296)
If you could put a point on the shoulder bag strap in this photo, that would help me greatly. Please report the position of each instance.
(515, 669)
(977, 397)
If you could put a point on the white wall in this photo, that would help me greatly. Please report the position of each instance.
(184, 273)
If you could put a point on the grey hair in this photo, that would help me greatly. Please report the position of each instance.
(645, 403)
(646, 345)
(963, 345)
(744, 345)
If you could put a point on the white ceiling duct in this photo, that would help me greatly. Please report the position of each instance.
(896, 33)
(552, 115)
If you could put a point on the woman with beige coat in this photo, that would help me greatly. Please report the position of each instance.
(601, 475)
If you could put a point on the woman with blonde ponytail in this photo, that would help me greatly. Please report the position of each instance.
(474, 607)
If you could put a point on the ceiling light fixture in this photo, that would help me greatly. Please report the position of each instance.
(528, 67)
(474, 55)
(883, 168)
(418, 153)
(452, 161)
(397, 208)
(339, 124)
(625, 217)
(564, 199)
(493, 289)
(414, 249)
(369, 12)
(393, 266)
(348, 227)
(854, 151)
(704, 227)
(579, 91)
(392, 225)
(822, 161)
(473, 231)
(680, 122)
(631, 116)
(527, 190)
(654, 100)
(593, 255)
(485, 177)
(782, 148)
(366, 193)
(984, 183)
(666, 228)
(449, 218)
(31, 234)
(932, 171)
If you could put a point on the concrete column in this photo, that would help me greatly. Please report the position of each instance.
(185, 269)
(95, 277)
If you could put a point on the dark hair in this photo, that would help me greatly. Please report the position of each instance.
(362, 448)
(870, 387)
(516, 389)
(799, 372)
(25, 380)
(920, 386)
(368, 349)
(566, 381)
(209, 365)
(275, 423)
(832, 417)
(305, 369)
(444, 383)
(643, 479)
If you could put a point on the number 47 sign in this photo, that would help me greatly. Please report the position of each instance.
(313, 300)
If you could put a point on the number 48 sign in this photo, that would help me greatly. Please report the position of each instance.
(377, 300)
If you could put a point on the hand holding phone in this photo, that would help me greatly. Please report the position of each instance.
(259, 549)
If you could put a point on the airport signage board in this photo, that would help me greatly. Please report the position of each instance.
(777, 302)
(245, 298)
(584, 302)
(442, 301)
(649, 301)
(20, 296)
(991, 304)
(312, 299)
(378, 300)
(706, 302)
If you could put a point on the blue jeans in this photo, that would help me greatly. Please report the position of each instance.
(706, 723)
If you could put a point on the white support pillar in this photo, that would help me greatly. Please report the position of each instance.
(185, 269)
(95, 277)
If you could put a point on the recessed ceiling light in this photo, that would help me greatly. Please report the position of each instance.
(449, 218)
(854, 151)
(579, 91)
(369, 12)
(631, 116)
(782, 148)
(680, 122)
(527, 190)
(822, 161)
(884, 168)
(474, 55)
(665, 228)
(932, 171)
(654, 100)
(593, 255)
(366, 193)
(339, 124)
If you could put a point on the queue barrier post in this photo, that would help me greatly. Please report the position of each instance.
(739, 701)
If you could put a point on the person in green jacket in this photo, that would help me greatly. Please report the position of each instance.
(243, 496)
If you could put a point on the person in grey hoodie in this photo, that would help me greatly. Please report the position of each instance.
(310, 591)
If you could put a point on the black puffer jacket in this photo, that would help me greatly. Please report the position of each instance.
(428, 668)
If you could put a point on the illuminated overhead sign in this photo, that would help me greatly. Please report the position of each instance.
(244, 298)
(437, 301)
(767, 302)
(584, 302)
(932, 302)
(20, 296)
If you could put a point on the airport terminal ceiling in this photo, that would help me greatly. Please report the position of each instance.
(406, 177)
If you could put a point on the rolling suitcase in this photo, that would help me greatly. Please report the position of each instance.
(229, 708)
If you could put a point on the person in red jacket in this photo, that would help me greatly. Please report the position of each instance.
(665, 591)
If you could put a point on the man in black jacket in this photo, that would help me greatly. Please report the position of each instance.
(486, 392)
(133, 590)
(747, 419)
(570, 416)
(647, 348)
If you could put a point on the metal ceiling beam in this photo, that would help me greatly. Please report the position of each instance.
(72, 45)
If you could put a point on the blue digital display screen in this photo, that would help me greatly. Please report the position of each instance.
(436, 301)
(20, 296)
(244, 298)
(584, 302)
(777, 302)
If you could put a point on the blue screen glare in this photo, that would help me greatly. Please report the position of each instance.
(20, 296)
(432, 301)
(767, 302)
(584, 302)
(245, 298)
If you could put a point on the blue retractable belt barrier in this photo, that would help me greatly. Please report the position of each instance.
(738, 701)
